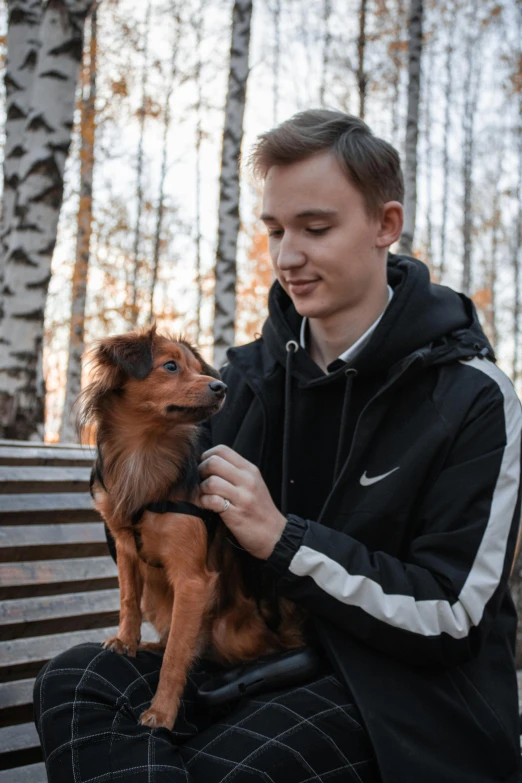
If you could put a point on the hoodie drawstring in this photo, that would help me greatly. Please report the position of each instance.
(291, 347)
(350, 373)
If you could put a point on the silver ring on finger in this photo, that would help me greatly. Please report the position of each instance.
(226, 506)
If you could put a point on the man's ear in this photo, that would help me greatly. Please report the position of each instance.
(131, 353)
(391, 222)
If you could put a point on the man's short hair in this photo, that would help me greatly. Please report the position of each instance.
(371, 164)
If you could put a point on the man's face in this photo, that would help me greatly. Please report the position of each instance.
(321, 240)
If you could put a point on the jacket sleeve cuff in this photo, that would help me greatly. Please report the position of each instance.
(287, 545)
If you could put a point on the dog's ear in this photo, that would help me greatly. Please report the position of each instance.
(111, 362)
(131, 353)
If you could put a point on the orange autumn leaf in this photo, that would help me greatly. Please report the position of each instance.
(482, 298)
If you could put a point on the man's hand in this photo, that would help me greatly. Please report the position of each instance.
(252, 516)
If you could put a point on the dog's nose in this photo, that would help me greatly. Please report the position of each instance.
(219, 388)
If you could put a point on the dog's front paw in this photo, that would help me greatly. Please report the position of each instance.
(121, 646)
(155, 718)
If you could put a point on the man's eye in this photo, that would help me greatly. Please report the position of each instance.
(276, 232)
(170, 366)
(318, 231)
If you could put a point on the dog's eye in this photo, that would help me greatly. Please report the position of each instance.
(170, 366)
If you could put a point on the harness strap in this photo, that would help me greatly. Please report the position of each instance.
(209, 518)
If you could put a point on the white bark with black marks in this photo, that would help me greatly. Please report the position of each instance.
(362, 77)
(228, 229)
(199, 26)
(429, 154)
(412, 126)
(448, 108)
(471, 95)
(23, 43)
(44, 147)
(516, 252)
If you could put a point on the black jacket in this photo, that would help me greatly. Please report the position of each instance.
(404, 562)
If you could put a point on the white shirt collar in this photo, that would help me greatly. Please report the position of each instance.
(357, 347)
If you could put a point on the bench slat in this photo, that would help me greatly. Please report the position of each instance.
(15, 456)
(43, 577)
(39, 444)
(37, 542)
(51, 571)
(67, 612)
(16, 702)
(23, 657)
(46, 535)
(19, 737)
(17, 693)
(34, 773)
(33, 479)
(33, 509)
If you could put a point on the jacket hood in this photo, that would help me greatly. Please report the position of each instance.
(423, 317)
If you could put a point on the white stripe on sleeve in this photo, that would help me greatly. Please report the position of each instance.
(433, 617)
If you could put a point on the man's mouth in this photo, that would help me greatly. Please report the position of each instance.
(301, 287)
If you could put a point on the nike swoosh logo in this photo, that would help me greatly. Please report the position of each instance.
(366, 481)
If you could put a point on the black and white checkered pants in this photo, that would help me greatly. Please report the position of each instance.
(88, 702)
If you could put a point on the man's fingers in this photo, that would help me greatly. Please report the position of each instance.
(214, 503)
(227, 454)
(216, 465)
(218, 486)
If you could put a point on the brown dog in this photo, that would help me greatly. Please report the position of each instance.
(148, 396)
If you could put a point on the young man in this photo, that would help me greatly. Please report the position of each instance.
(368, 459)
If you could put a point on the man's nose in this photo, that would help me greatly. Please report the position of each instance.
(290, 253)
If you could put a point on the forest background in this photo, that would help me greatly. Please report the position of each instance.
(146, 171)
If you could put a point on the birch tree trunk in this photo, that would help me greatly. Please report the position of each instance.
(133, 316)
(199, 24)
(277, 60)
(491, 312)
(471, 91)
(429, 158)
(83, 238)
(412, 126)
(44, 145)
(362, 79)
(228, 228)
(396, 57)
(23, 43)
(163, 175)
(517, 241)
(445, 154)
(327, 42)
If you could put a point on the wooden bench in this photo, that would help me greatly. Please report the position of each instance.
(58, 584)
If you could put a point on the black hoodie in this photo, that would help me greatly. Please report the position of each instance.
(401, 553)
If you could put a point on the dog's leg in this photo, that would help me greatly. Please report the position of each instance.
(130, 581)
(194, 591)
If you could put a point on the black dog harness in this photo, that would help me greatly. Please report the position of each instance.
(209, 518)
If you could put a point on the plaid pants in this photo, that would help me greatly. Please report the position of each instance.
(88, 702)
